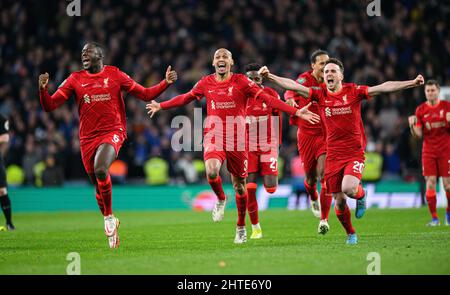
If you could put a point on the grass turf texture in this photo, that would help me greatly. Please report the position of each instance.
(183, 242)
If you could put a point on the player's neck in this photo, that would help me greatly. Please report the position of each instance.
(96, 68)
(317, 77)
(224, 77)
(337, 89)
(433, 102)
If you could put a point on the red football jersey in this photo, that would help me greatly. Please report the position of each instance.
(227, 100)
(260, 122)
(99, 98)
(341, 114)
(436, 130)
(306, 79)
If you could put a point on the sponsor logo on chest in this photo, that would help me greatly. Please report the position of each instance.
(338, 111)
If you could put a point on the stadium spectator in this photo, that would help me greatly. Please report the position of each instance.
(143, 37)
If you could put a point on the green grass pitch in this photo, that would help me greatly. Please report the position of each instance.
(183, 242)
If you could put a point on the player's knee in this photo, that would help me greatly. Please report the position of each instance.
(431, 183)
(101, 172)
(447, 186)
(212, 174)
(349, 190)
(311, 180)
(239, 188)
(3, 191)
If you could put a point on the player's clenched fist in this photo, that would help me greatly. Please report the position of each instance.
(307, 115)
(153, 108)
(43, 80)
(412, 120)
(419, 80)
(171, 76)
(264, 71)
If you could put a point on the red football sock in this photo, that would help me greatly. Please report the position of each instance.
(105, 188)
(252, 204)
(345, 219)
(241, 204)
(431, 200)
(448, 201)
(325, 201)
(216, 185)
(270, 190)
(311, 191)
(360, 193)
(99, 198)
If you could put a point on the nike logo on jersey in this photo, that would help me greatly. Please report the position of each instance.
(210, 91)
(83, 85)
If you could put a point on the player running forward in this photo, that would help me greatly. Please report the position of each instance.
(98, 94)
(311, 141)
(226, 95)
(263, 141)
(432, 123)
(340, 110)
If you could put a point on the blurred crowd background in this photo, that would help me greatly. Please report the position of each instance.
(143, 37)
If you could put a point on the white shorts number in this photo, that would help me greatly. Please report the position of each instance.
(358, 167)
(245, 165)
(115, 138)
(273, 164)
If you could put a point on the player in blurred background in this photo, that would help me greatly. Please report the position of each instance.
(311, 141)
(263, 146)
(98, 94)
(432, 123)
(340, 110)
(5, 202)
(226, 95)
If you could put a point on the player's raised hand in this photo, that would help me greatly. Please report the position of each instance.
(419, 80)
(264, 71)
(43, 80)
(412, 120)
(171, 76)
(291, 102)
(307, 115)
(153, 108)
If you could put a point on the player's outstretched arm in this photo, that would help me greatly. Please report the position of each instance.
(180, 100)
(49, 103)
(151, 93)
(285, 83)
(392, 86)
(415, 130)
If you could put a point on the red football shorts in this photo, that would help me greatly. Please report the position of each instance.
(436, 166)
(310, 148)
(336, 169)
(237, 161)
(264, 163)
(88, 147)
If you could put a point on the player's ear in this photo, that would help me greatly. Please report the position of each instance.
(232, 62)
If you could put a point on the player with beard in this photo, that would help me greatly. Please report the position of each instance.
(227, 95)
(340, 110)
